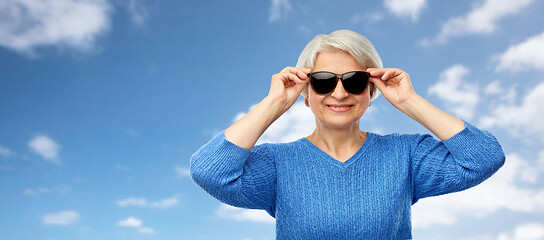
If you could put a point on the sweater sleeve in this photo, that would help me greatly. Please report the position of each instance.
(458, 163)
(234, 175)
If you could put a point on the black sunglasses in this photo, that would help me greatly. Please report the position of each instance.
(324, 82)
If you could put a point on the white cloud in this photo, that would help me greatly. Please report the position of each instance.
(279, 10)
(135, 223)
(138, 12)
(46, 148)
(4, 152)
(28, 24)
(38, 191)
(182, 172)
(241, 214)
(146, 230)
(527, 231)
(523, 120)
(494, 88)
(60, 218)
(525, 55)
(130, 222)
(482, 19)
(461, 97)
(131, 202)
(297, 122)
(165, 203)
(142, 202)
(502, 191)
(406, 8)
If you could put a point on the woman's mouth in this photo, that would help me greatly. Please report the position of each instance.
(339, 108)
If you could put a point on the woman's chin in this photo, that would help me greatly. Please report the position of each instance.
(338, 123)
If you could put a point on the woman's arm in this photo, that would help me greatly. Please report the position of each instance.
(461, 162)
(234, 175)
(397, 88)
(465, 157)
(284, 91)
(440, 123)
(229, 167)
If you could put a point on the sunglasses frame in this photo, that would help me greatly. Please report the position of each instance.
(341, 77)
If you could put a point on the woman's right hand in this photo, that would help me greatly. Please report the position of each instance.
(287, 85)
(284, 91)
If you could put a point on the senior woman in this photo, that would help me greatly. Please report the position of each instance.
(341, 182)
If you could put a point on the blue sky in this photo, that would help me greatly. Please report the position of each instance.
(102, 103)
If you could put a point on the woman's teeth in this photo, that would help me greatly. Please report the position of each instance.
(339, 107)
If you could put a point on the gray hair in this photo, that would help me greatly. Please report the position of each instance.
(354, 43)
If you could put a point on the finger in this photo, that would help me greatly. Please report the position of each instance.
(391, 73)
(298, 71)
(297, 78)
(386, 75)
(375, 72)
(290, 78)
(306, 70)
(302, 74)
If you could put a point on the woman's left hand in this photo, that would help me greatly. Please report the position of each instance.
(394, 84)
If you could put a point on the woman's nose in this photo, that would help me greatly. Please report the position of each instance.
(339, 92)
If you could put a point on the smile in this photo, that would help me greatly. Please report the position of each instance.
(340, 108)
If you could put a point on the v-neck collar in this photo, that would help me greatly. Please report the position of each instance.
(334, 161)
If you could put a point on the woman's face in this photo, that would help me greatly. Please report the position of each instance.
(338, 109)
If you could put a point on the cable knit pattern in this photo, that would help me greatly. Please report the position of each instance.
(369, 196)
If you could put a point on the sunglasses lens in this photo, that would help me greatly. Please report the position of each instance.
(355, 82)
(323, 82)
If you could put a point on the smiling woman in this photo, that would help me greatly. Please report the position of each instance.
(341, 182)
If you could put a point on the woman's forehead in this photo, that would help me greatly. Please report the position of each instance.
(337, 61)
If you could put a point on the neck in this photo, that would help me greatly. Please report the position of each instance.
(338, 142)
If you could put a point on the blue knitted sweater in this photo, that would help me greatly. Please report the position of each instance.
(369, 196)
